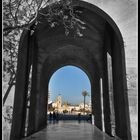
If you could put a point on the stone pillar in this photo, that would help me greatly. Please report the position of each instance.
(121, 107)
(19, 110)
(106, 101)
(33, 96)
(96, 101)
(38, 99)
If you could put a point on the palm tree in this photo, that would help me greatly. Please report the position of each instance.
(84, 93)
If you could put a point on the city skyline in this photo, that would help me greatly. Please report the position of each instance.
(64, 101)
(69, 82)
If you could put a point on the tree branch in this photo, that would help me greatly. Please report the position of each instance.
(8, 91)
(7, 29)
(11, 11)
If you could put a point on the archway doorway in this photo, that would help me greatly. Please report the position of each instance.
(70, 94)
(52, 50)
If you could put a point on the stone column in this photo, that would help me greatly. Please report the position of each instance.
(38, 99)
(121, 107)
(96, 101)
(33, 96)
(106, 99)
(106, 102)
(19, 110)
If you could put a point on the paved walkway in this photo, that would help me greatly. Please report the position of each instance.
(69, 130)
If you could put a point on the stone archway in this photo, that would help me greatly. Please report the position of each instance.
(47, 50)
(65, 88)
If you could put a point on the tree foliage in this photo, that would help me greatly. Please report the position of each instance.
(63, 13)
(85, 93)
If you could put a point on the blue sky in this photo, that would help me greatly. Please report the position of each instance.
(69, 81)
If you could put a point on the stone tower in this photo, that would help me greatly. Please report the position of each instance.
(58, 102)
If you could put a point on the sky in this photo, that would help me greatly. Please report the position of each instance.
(69, 82)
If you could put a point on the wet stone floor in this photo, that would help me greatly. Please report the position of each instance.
(69, 130)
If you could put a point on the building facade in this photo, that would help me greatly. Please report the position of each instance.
(65, 107)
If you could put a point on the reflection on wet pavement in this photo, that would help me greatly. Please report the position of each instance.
(69, 130)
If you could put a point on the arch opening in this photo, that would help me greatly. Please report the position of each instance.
(66, 86)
